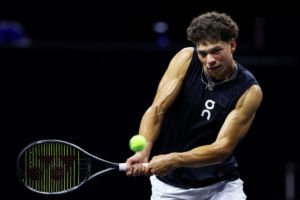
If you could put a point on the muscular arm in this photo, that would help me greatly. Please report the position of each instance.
(168, 90)
(233, 130)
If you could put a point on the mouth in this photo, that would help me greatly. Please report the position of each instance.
(213, 68)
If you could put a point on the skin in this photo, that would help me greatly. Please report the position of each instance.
(219, 64)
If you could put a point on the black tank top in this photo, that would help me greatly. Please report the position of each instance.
(195, 119)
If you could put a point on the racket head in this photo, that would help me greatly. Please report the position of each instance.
(53, 166)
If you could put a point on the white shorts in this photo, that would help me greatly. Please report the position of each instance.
(225, 190)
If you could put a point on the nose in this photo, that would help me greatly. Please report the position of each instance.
(210, 59)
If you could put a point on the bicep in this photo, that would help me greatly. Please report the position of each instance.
(171, 83)
(166, 94)
(240, 119)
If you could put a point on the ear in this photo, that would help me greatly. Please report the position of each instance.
(233, 45)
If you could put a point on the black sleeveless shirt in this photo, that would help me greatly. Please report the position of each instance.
(195, 119)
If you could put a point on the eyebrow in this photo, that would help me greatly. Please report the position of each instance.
(217, 48)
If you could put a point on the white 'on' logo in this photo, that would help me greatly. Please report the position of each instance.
(209, 105)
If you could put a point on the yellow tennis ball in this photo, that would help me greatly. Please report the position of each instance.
(137, 143)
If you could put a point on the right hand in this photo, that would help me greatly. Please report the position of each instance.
(135, 165)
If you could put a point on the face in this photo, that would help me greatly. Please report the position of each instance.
(216, 58)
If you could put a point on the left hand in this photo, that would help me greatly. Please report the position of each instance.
(161, 165)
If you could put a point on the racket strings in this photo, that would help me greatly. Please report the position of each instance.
(53, 167)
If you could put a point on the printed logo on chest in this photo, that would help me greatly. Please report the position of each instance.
(209, 106)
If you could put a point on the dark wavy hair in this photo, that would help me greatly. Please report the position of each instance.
(212, 26)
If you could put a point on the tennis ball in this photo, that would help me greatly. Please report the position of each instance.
(137, 143)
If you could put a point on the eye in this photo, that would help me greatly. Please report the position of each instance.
(202, 54)
(216, 51)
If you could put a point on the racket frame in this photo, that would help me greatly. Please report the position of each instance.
(112, 166)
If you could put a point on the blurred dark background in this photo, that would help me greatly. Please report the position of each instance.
(85, 72)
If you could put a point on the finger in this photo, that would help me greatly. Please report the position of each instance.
(129, 170)
(139, 169)
(136, 170)
(147, 171)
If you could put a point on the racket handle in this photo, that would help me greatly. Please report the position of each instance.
(123, 166)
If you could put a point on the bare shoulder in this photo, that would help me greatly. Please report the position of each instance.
(188, 50)
(251, 99)
(255, 92)
(186, 53)
(181, 61)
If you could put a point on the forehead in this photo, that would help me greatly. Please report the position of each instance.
(207, 45)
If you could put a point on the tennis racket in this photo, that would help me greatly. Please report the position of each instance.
(56, 166)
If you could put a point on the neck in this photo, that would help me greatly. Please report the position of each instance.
(231, 71)
(228, 73)
(210, 84)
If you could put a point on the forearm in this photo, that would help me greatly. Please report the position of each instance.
(150, 127)
(201, 156)
(161, 165)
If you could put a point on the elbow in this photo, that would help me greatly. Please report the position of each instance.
(220, 157)
(223, 156)
(222, 153)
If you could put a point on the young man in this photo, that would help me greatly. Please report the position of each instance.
(204, 106)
